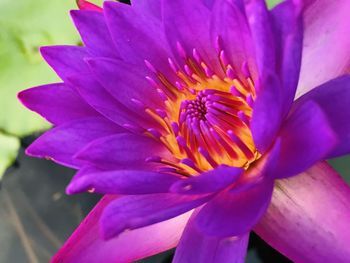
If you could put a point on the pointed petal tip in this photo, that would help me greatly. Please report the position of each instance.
(22, 96)
(32, 151)
(108, 5)
(47, 52)
(44, 50)
(86, 5)
(108, 232)
(75, 188)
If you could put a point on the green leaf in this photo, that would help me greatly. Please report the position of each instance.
(272, 3)
(24, 26)
(9, 147)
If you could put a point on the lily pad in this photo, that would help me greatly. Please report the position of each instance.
(26, 25)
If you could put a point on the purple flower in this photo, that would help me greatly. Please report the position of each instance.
(185, 114)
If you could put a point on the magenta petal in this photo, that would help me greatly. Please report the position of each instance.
(57, 103)
(235, 213)
(135, 211)
(287, 18)
(211, 181)
(235, 35)
(267, 112)
(153, 8)
(134, 32)
(125, 83)
(326, 53)
(61, 143)
(306, 138)
(209, 3)
(260, 25)
(308, 219)
(187, 25)
(86, 5)
(333, 98)
(65, 60)
(125, 182)
(194, 247)
(103, 102)
(85, 245)
(94, 33)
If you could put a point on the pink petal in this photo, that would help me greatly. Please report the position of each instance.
(86, 5)
(326, 53)
(308, 219)
(85, 244)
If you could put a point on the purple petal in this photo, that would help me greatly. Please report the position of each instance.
(152, 8)
(267, 114)
(131, 212)
(287, 19)
(102, 101)
(85, 245)
(333, 98)
(187, 23)
(260, 25)
(262, 169)
(134, 32)
(208, 182)
(85, 170)
(209, 3)
(125, 182)
(306, 138)
(56, 102)
(121, 151)
(235, 213)
(326, 52)
(94, 33)
(65, 60)
(125, 83)
(60, 144)
(194, 246)
(308, 219)
(235, 34)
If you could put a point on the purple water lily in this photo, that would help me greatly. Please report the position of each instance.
(190, 116)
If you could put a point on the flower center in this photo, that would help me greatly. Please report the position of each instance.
(206, 117)
(194, 111)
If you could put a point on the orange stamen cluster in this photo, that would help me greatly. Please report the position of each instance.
(205, 118)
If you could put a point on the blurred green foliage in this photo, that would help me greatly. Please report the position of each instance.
(9, 147)
(272, 3)
(25, 25)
